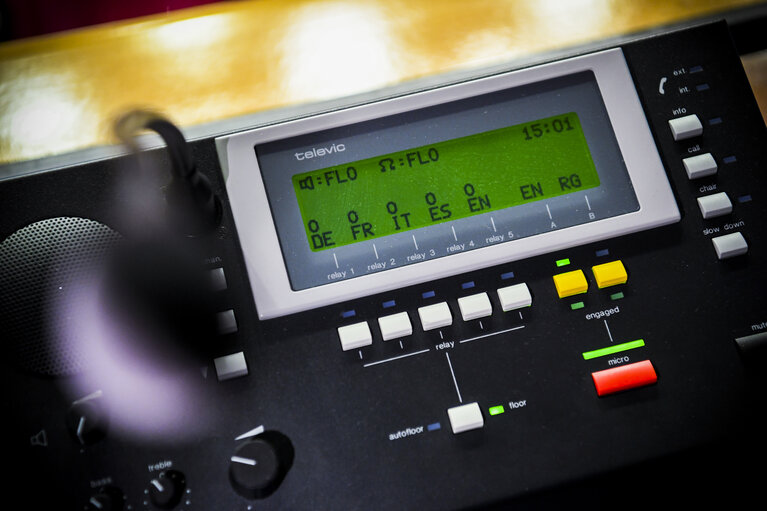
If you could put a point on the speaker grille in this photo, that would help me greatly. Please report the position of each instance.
(43, 268)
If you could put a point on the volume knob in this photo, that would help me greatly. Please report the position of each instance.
(87, 421)
(166, 490)
(258, 466)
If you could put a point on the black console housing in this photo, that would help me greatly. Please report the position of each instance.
(368, 429)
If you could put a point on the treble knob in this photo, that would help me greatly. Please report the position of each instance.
(166, 490)
(258, 466)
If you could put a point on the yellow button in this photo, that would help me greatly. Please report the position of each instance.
(571, 283)
(610, 274)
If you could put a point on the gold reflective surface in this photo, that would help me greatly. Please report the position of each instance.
(61, 92)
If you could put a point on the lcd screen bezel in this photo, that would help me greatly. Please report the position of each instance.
(264, 259)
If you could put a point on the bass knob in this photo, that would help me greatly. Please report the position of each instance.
(108, 498)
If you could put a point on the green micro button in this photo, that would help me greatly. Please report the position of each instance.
(496, 410)
(577, 305)
(588, 355)
(563, 262)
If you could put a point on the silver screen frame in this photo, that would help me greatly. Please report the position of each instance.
(264, 260)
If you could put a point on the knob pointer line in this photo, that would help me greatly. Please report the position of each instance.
(80, 429)
(244, 461)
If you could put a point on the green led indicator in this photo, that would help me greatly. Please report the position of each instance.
(577, 305)
(588, 355)
(495, 410)
(563, 262)
(616, 296)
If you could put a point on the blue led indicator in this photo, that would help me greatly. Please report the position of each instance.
(744, 198)
(603, 252)
(508, 275)
(348, 314)
(729, 159)
(467, 285)
(433, 427)
(696, 69)
(390, 303)
(715, 120)
(702, 87)
(428, 294)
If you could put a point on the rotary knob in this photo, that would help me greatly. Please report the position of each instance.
(166, 490)
(108, 498)
(87, 421)
(259, 466)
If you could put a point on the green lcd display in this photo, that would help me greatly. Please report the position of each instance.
(445, 181)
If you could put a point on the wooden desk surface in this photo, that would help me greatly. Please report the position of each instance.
(60, 93)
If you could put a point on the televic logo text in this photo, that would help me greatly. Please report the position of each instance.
(316, 152)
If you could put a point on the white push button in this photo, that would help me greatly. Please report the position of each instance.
(465, 417)
(700, 166)
(712, 206)
(231, 366)
(730, 245)
(515, 297)
(475, 306)
(435, 316)
(217, 279)
(355, 336)
(226, 323)
(395, 326)
(685, 127)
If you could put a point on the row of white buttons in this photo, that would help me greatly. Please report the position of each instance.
(234, 365)
(711, 206)
(434, 316)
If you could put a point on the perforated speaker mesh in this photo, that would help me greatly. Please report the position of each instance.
(42, 267)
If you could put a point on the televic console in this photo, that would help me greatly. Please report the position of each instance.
(542, 284)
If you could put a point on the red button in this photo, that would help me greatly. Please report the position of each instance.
(625, 377)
